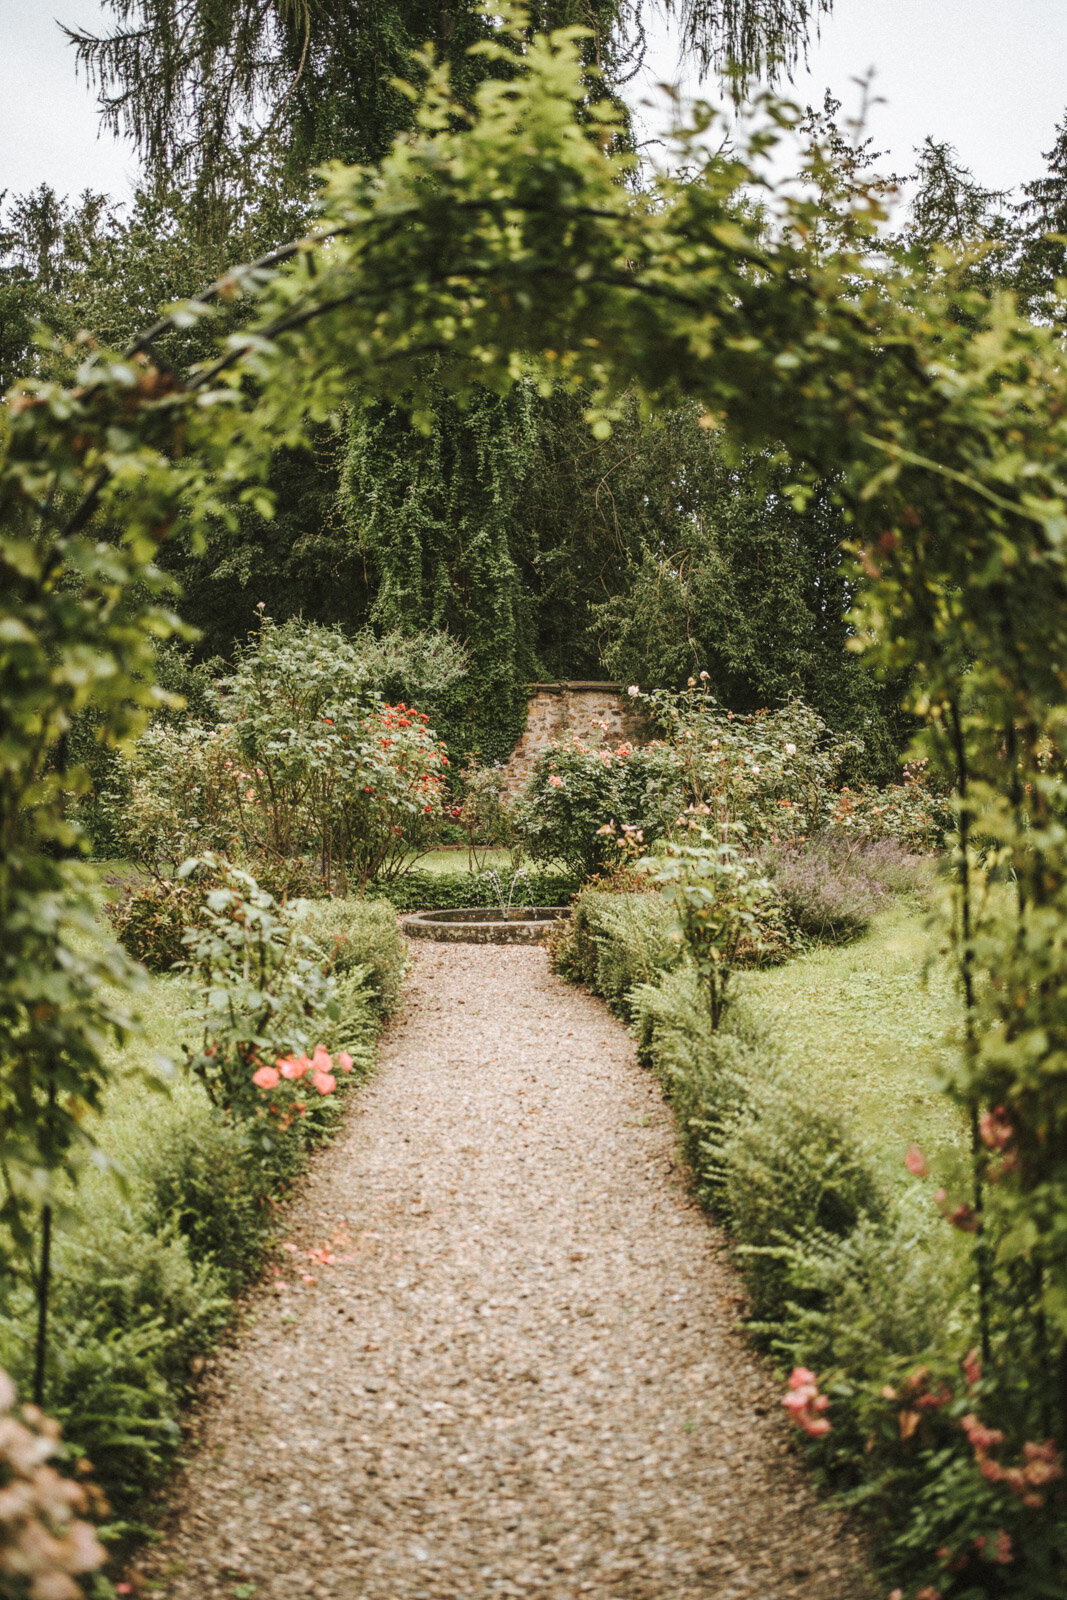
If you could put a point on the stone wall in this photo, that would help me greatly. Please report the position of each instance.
(598, 713)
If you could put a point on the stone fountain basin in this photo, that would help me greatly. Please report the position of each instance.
(485, 925)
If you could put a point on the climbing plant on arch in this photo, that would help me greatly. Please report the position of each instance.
(506, 243)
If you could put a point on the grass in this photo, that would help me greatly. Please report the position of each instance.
(869, 1027)
(455, 861)
(141, 1097)
(143, 1094)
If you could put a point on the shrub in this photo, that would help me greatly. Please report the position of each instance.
(724, 907)
(351, 935)
(311, 780)
(103, 811)
(108, 1389)
(650, 788)
(263, 999)
(704, 1071)
(791, 1175)
(117, 1274)
(176, 797)
(782, 1174)
(821, 899)
(321, 767)
(912, 813)
(775, 774)
(874, 1298)
(353, 1032)
(359, 944)
(574, 792)
(389, 810)
(831, 887)
(771, 772)
(867, 1291)
(198, 1180)
(571, 793)
(614, 941)
(150, 919)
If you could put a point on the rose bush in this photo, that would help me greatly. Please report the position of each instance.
(773, 774)
(326, 770)
(263, 999)
(576, 790)
(389, 807)
(726, 907)
(311, 781)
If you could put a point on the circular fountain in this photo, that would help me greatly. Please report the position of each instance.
(499, 924)
(485, 924)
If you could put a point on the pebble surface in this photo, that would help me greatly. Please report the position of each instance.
(521, 1374)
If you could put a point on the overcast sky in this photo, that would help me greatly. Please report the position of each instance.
(989, 75)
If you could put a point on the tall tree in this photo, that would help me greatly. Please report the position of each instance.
(507, 523)
(1041, 233)
(746, 39)
(949, 206)
(197, 83)
(50, 258)
(203, 87)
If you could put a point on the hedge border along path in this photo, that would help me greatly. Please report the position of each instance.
(521, 1374)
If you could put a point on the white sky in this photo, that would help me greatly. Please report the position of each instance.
(989, 75)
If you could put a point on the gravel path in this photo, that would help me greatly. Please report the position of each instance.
(520, 1375)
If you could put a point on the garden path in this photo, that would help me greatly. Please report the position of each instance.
(521, 1375)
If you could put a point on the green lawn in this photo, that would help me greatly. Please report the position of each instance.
(869, 1026)
(456, 861)
(143, 1095)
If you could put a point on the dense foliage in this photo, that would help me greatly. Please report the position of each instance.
(146, 1271)
(538, 544)
(774, 778)
(312, 779)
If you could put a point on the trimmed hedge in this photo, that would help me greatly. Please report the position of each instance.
(784, 1175)
(449, 891)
